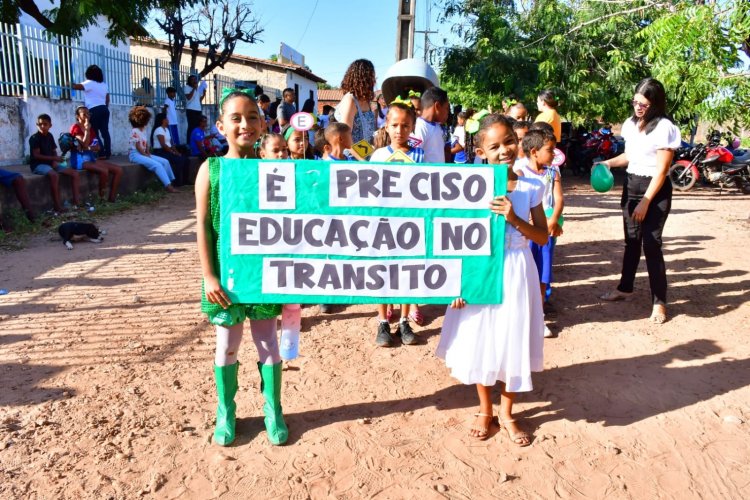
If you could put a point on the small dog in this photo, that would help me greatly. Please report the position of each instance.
(77, 231)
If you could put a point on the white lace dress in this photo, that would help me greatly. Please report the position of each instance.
(482, 344)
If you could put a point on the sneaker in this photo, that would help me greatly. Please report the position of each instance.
(407, 334)
(383, 338)
(325, 308)
(548, 333)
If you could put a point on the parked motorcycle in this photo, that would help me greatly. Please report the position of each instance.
(595, 146)
(714, 162)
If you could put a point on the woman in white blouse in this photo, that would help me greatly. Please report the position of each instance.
(96, 99)
(650, 141)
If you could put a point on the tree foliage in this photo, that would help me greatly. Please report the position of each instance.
(72, 17)
(593, 52)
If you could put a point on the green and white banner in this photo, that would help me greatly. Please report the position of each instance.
(360, 233)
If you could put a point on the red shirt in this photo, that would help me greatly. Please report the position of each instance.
(77, 130)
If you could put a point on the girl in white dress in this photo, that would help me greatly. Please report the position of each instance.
(482, 344)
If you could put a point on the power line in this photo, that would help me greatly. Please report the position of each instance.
(309, 20)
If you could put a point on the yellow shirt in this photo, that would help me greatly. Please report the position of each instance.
(550, 116)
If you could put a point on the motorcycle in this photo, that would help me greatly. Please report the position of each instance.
(595, 146)
(714, 163)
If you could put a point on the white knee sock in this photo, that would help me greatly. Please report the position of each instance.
(264, 337)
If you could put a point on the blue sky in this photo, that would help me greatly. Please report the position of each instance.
(333, 33)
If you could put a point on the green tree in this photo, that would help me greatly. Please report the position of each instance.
(593, 52)
(71, 17)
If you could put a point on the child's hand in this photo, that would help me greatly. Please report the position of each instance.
(501, 205)
(554, 228)
(215, 293)
(458, 303)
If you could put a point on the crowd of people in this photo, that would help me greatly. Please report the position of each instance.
(481, 344)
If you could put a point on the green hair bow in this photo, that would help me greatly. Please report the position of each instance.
(412, 93)
(399, 100)
(226, 92)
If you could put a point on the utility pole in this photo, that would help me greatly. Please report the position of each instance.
(426, 31)
(405, 30)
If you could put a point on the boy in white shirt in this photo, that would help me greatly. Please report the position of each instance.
(171, 111)
(428, 130)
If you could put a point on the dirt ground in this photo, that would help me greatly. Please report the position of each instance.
(107, 387)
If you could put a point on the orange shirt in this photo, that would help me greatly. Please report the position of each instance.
(550, 116)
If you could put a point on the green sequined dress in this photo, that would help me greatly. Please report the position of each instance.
(236, 313)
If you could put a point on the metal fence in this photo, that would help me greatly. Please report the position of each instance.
(35, 63)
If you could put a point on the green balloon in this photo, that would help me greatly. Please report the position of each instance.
(548, 213)
(601, 178)
(472, 126)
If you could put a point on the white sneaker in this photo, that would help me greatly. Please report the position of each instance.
(548, 333)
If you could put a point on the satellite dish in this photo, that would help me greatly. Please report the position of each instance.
(408, 74)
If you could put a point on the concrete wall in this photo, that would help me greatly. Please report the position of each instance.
(63, 116)
(13, 125)
(18, 123)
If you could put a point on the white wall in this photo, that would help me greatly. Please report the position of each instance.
(18, 121)
(96, 33)
(305, 86)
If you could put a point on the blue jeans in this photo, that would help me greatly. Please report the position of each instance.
(174, 134)
(155, 164)
(100, 121)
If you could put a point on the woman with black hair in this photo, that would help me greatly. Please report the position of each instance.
(547, 103)
(650, 141)
(382, 111)
(96, 99)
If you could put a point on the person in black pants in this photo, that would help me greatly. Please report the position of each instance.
(194, 93)
(650, 141)
(96, 99)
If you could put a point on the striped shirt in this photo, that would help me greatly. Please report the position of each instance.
(415, 154)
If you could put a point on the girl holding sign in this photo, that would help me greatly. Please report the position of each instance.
(483, 344)
(240, 124)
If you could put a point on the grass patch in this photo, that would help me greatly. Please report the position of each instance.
(23, 229)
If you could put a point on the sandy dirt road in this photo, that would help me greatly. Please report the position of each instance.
(107, 387)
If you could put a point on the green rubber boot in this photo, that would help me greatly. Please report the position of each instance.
(226, 389)
(270, 387)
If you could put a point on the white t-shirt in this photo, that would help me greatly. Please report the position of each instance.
(431, 135)
(167, 138)
(194, 103)
(520, 165)
(641, 148)
(94, 94)
(547, 178)
(171, 111)
(382, 154)
(138, 136)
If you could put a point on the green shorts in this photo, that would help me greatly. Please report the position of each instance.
(237, 313)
